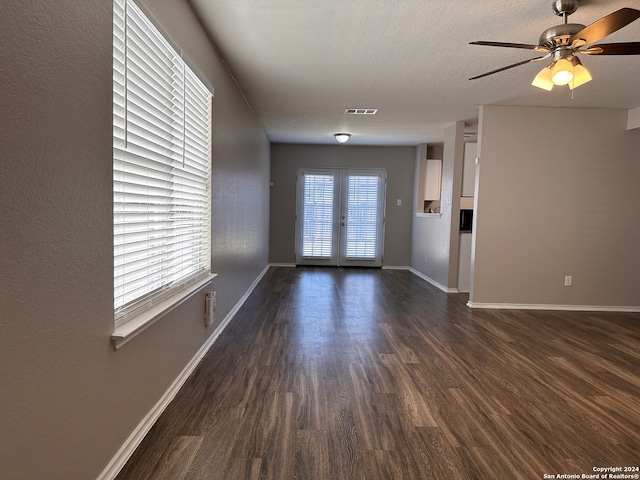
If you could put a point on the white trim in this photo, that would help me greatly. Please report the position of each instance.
(126, 450)
(570, 308)
(124, 333)
(244, 298)
(428, 215)
(433, 282)
(384, 267)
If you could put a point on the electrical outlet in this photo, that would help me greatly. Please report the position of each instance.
(210, 308)
(568, 280)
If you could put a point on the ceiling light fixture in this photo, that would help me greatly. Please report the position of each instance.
(580, 75)
(543, 79)
(361, 111)
(567, 70)
(562, 72)
(342, 137)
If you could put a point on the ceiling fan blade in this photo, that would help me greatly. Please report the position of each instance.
(505, 44)
(605, 26)
(631, 48)
(509, 66)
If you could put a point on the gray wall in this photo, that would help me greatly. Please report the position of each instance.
(69, 401)
(551, 205)
(436, 238)
(285, 160)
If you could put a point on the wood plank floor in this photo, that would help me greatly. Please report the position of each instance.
(375, 374)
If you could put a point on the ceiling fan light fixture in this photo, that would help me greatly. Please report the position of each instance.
(563, 42)
(562, 72)
(580, 76)
(543, 79)
(342, 137)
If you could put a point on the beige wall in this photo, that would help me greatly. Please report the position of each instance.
(285, 160)
(633, 118)
(555, 204)
(69, 401)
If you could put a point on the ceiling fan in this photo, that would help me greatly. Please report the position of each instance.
(562, 42)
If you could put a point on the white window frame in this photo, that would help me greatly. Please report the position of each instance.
(161, 174)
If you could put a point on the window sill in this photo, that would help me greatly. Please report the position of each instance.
(132, 328)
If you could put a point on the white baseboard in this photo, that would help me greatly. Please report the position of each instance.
(384, 267)
(134, 440)
(569, 308)
(433, 282)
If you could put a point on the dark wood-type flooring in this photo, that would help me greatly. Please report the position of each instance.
(375, 374)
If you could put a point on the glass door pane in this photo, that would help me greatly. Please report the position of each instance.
(362, 217)
(317, 217)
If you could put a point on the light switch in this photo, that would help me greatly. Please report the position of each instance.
(399, 202)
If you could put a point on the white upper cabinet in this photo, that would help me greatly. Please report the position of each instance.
(433, 180)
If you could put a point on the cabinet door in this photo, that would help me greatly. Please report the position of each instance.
(432, 180)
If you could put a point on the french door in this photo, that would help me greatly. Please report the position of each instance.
(340, 216)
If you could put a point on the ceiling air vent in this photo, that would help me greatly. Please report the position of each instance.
(361, 111)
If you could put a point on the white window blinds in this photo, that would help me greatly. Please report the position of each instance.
(318, 215)
(161, 167)
(362, 218)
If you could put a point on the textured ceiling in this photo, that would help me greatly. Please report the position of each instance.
(301, 63)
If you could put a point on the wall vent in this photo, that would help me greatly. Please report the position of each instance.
(361, 111)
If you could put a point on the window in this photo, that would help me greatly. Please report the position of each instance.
(161, 167)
